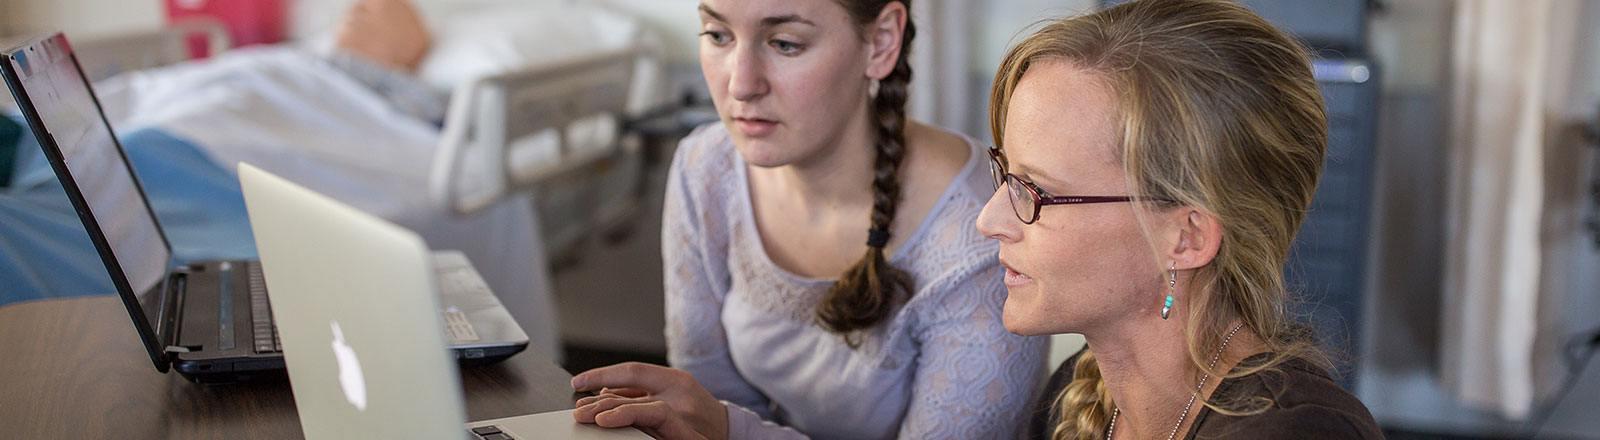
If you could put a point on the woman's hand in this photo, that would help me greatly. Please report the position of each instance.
(663, 402)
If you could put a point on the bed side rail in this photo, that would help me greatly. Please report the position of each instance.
(507, 133)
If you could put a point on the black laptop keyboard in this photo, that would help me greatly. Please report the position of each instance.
(488, 433)
(266, 332)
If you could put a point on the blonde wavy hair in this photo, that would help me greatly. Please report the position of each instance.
(1218, 110)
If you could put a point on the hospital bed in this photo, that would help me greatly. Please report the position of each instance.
(543, 142)
(552, 128)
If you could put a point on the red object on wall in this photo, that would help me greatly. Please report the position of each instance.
(248, 21)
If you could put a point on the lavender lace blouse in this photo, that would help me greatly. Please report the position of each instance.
(942, 366)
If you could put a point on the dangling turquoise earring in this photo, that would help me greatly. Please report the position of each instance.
(1172, 287)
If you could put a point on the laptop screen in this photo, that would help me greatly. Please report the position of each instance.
(55, 86)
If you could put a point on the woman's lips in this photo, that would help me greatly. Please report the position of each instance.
(755, 127)
(1014, 278)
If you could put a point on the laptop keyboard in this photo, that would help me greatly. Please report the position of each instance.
(488, 433)
(458, 328)
(266, 332)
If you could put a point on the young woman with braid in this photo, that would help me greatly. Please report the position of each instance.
(823, 278)
(1153, 163)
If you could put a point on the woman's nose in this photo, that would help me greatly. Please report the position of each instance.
(747, 78)
(997, 220)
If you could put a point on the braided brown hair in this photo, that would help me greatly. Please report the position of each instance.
(869, 290)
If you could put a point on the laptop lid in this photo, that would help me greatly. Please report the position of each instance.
(55, 98)
(357, 311)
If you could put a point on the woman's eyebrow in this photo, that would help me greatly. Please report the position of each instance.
(784, 19)
(713, 13)
(1034, 175)
(765, 22)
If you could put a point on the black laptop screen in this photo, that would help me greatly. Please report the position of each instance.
(60, 95)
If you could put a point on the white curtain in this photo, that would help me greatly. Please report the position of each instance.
(1510, 87)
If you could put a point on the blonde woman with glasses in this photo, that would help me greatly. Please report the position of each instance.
(1153, 163)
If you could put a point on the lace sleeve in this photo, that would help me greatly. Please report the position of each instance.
(697, 281)
(974, 379)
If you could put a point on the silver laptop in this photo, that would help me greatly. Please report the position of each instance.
(360, 331)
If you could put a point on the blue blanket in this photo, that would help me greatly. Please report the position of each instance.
(44, 250)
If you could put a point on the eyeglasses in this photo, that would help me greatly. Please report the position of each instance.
(1027, 198)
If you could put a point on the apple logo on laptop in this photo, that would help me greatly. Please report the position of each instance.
(350, 378)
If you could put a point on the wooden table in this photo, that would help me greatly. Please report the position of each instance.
(74, 368)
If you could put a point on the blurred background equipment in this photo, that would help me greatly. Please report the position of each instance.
(248, 22)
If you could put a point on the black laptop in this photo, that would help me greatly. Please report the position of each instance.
(210, 321)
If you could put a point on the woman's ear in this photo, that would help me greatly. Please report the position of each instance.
(1199, 238)
(884, 38)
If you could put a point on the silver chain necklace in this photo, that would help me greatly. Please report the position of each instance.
(1112, 427)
